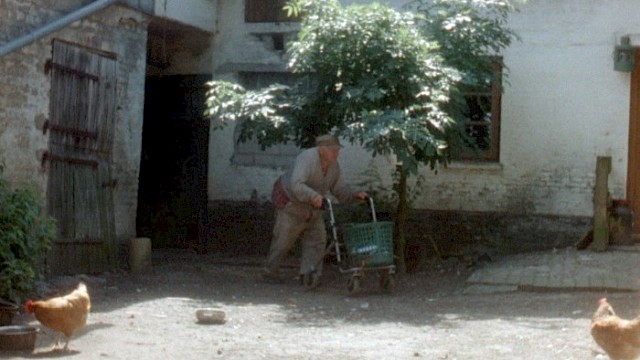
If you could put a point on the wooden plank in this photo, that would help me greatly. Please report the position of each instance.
(68, 258)
(633, 163)
(601, 202)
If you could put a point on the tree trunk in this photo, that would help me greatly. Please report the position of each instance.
(401, 219)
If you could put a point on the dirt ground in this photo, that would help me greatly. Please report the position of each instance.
(428, 316)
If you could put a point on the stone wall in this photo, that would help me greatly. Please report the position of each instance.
(25, 86)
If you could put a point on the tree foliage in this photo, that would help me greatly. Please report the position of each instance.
(468, 32)
(376, 80)
(379, 81)
(268, 113)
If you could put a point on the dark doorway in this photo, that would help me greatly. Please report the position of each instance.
(172, 195)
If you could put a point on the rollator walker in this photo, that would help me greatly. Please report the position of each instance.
(364, 247)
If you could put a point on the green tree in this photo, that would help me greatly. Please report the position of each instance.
(380, 79)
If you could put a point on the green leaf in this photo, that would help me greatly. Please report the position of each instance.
(25, 236)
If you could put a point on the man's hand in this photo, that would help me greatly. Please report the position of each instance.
(361, 195)
(316, 202)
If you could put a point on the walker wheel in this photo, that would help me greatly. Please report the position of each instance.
(387, 281)
(353, 285)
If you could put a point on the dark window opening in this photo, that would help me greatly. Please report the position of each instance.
(256, 11)
(278, 41)
(481, 120)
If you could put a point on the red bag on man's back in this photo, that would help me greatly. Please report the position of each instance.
(279, 196)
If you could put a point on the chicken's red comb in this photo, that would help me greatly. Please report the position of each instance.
(28, 306)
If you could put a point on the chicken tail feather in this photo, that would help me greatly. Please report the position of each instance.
(82, 287)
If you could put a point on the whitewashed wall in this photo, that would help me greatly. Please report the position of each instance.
(563, 106)
(198, 13)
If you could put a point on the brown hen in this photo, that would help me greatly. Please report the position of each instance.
(65, 315)
(619, 338)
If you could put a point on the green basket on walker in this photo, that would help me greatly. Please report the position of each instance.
(371, 243)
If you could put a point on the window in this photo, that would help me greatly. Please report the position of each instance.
(256, 11)
(482, 118)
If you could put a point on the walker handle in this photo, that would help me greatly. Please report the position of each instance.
(373, 209)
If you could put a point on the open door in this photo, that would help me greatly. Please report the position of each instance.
(633, 170)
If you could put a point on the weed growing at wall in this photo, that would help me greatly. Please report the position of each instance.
(26, 234)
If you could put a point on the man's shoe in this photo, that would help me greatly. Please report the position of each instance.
(310, 280)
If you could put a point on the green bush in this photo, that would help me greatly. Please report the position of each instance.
(26, 234)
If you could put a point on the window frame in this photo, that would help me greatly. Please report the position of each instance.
(467, 153)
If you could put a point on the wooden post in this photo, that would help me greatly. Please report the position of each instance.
(600, 205)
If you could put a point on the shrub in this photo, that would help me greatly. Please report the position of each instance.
(26, 234)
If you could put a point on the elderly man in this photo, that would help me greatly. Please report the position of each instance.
(298, 199)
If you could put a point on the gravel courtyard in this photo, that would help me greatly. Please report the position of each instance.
(430, 315)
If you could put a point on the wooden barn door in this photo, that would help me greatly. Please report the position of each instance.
(80, 132)
(633, 165)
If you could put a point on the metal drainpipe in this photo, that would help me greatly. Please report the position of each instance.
(55, 25)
